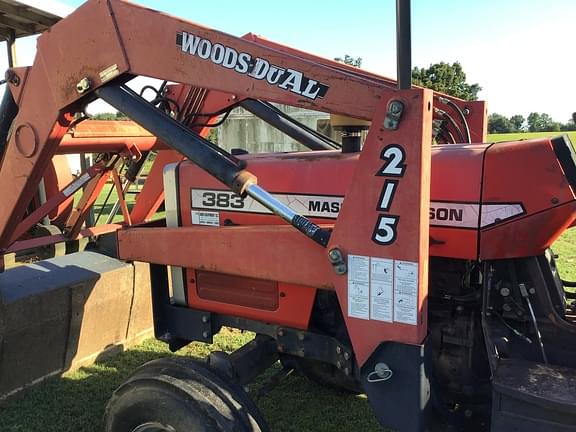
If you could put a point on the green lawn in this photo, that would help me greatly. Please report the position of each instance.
(529, 135)
(565, 248)
(76, 401)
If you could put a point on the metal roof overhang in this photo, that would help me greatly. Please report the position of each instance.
(27, 18)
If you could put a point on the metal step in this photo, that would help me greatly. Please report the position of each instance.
(533, 397)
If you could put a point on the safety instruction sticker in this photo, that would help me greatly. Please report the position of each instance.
(405, 292)
(358, 286)
(382, 289)
(205, 218)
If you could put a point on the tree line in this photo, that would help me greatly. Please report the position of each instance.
(536, 122)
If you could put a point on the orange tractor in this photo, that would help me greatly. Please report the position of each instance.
(418, 274)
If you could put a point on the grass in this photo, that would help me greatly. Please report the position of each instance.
(106, 206)
(75, 402)
(529, 135)
(565, 248)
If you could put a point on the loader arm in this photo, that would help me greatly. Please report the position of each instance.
(54, 88)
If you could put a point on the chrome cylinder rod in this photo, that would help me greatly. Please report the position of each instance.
(299, 222)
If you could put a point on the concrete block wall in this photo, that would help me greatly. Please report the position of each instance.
(64, 312)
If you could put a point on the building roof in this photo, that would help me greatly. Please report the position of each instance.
(29, 17)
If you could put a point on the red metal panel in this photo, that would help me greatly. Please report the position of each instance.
(56, 177)
(457, 172)
(525, 173)
(287, 304)
(357, 230)
(456, 179)
(107, 128)
(70, 145)
(99, 59)
(108, 136)
(309, 173)
(246, 251)
(235, 290)
(477, 119)
(49, 240)
(528, 236)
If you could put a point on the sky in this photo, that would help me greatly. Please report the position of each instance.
(521, 52)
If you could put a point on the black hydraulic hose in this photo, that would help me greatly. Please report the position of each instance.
(452, 122)
(211, 125)
(280, 122)
(446, 135)
(8, 112)
(202, 152)
(314, 132)
(448, 102)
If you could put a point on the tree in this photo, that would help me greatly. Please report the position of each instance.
(446, 78)
(497, 123)
(542, 122)
(349, 60)
(570, 125)
(517, 121)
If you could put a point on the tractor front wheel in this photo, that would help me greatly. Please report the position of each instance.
(180, 395)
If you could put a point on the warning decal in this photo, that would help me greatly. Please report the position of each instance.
(358, 286)
(205, 218)
(405, 292)
(382, 289)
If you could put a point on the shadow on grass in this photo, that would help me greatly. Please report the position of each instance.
(76, 401)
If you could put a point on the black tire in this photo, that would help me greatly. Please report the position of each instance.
(180, 395)
(324, 374)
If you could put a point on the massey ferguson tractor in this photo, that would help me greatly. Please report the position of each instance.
(412, 266)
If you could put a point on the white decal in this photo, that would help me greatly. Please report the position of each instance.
(454, 214)
(109, 73)
(386, 228)
(76, 184)
(381, 289)
(494, 213)
(385, 231)
(205, 218)
(461, 215)
(258, 68)
(467, 215)
(405, 292)
(306, 205)
(394, 157)
(358, 286)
